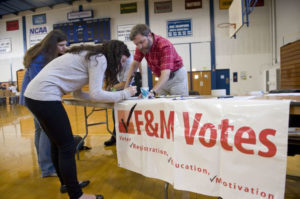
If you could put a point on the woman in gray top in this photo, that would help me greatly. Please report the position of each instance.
(69, 73)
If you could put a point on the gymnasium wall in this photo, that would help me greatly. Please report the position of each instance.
(249, 54)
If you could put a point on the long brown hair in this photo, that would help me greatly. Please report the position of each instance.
(113, 51)
(47, 47)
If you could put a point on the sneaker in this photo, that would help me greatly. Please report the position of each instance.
(111, 141)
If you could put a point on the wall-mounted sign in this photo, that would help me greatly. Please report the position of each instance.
(37, 34)
(39, 19)
(5, 45)
(94, 30)
(193, 4)
(124, 32)
(80, 15)
(235, 77)
(162, 6)
(243, 75)
(126, 8)
(179, 28)
(12, 25)
(258, 3)
(224, 4)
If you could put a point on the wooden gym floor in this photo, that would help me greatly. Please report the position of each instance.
(20, 175)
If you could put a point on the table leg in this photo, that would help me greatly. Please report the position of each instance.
(106, 117)
(86, 116)
(86, 132)
(166, 190)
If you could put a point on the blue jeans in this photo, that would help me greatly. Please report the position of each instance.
(43, 149)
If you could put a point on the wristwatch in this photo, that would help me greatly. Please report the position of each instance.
(153, 92)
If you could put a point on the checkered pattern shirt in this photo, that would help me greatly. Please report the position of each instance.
(161, 56)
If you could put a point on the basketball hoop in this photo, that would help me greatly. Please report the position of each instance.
(227, 25)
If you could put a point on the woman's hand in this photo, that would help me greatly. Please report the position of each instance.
(132, 90)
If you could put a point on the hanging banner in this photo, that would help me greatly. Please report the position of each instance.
(193, 4)
(37, 34)
(224, 4)
(80, 14)
(124, 32)
(179, 28)
(12, 25)
(217, 147)
(39, 19)
(259, 3)
(162, 6)
(126, 8)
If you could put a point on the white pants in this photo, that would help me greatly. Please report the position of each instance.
(178, 85)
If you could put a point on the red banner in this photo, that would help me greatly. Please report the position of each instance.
(12, 25)
(258, 4)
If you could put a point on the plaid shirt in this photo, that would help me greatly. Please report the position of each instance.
(161, 56)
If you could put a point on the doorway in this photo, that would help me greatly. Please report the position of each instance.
(223, 80)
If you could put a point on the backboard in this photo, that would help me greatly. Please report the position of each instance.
(235, 17)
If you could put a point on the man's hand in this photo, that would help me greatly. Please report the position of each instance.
(164, 77)
(151, 94)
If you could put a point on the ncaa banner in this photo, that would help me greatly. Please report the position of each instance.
(218, 147)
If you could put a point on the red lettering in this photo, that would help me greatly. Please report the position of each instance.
(138, 123)
(213, 135)
(208, 133)
(149, 119)
(239, 140)
(270, 145)
(189, 135)
(218, 180)
(224, 134)
(169, 128)
(263, 194)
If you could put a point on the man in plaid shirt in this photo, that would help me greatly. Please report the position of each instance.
(162, 59)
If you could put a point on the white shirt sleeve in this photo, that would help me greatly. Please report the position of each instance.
(96, 70)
